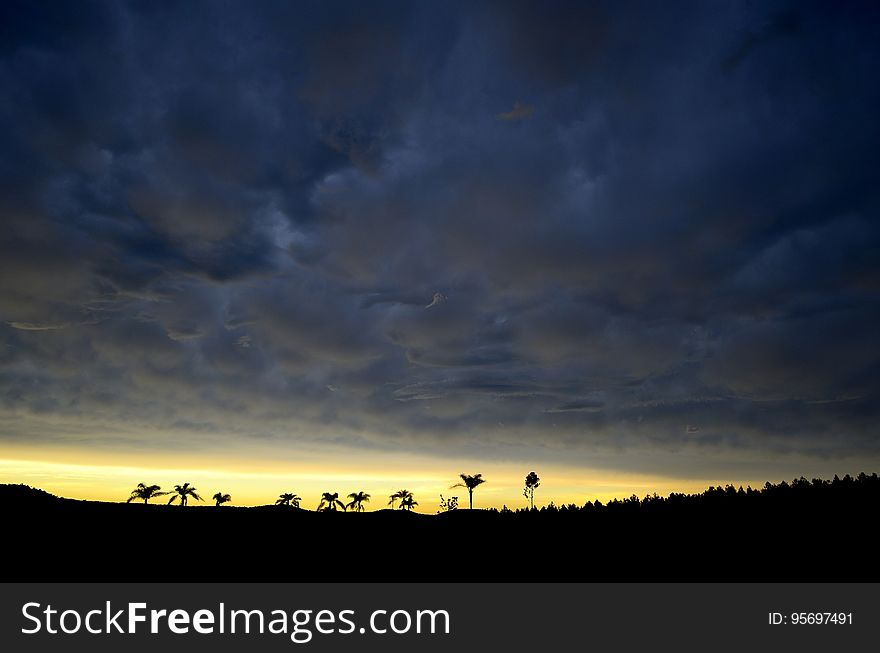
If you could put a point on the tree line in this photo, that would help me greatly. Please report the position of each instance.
(405, 500)
(799, 491)
(330, 501)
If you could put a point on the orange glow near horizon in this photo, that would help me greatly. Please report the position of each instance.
(103, 477)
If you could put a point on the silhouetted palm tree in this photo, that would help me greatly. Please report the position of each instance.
(183, 492)
(329, 501)
(288, 499)
(408, 503)
(357, 500)
(221, 498)
(470, 482)
(532, 481)
(145, 492)
(392, 498)
(400, 494)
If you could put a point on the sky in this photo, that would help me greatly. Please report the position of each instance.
(275, 246)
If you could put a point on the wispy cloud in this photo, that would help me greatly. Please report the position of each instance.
(32, 326)
(439, 298)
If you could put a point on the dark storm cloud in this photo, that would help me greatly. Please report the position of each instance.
(647, 226)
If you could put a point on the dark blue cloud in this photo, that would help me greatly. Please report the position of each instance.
(650, 226)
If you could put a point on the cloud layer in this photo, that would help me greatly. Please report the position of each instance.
(508, 229)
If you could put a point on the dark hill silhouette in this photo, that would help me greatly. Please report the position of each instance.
(12, 494)
(799, 531)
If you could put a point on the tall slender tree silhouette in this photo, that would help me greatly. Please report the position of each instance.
(329, 502)
(470, 482)
(145, 493)
(357, 500)
(183, 492)
(221, 498)
(288, 499)
(532, 481)
(408, 503)
(392, 499)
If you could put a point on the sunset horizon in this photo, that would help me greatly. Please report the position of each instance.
(111, 478)
(342, 247)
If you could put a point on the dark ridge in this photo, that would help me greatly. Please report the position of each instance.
(24, 493)
(800, 531)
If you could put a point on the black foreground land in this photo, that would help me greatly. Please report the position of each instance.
(799, 531)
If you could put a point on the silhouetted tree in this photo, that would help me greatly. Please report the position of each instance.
(329, 501)
(532, 481)
(145, 492)
(357, 500)
(288, 499)
(408, 503)
(400, 494)
(448, 505)
(183, 492)
(470, 482)
(221, 498)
